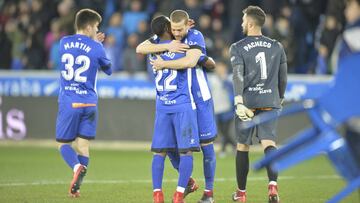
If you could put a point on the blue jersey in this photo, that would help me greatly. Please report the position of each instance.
(173, 87)
(81, 58)
(200, 87)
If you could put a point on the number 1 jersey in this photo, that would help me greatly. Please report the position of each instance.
(258, 71)
(81, 58)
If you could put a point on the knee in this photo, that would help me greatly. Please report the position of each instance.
(189, 153)
(60, 144)
(268, 143)
(206, 144)
(269, 148)
(83, 149)
(242, 147)
(163, 154)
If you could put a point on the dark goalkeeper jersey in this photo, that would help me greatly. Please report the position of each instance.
(260, 71)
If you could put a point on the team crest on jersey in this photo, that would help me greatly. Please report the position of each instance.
(232, 58)
(196, 32)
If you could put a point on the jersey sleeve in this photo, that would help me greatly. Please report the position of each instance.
(104, 62)
(202, 60)
(237, 63)
(196, 41)
(154, 39)
(282, 72)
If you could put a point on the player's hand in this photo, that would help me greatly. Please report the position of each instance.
(157, 63)
(100, 37)
(177, 46)
(191, 23)
(243, 112)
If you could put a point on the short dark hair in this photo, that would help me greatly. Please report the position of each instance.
(179, 15)
(86, 17)
(160, 25)
(256, 13)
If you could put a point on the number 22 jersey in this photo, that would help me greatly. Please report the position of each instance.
(173, 87)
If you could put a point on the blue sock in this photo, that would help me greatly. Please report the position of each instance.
(157, 171)
(209, 162)
(185, 170)
(69, 155)
(174, 159)
(84, 160)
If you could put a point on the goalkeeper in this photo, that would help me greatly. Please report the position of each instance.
(260, 77)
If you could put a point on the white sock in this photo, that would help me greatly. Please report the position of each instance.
(157, 190)
(180, 189)
(76, 167)
(272, 183)
(242, 190)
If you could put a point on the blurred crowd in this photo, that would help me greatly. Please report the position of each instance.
(30, 29)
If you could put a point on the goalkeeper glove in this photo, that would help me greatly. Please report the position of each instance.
(243, 112)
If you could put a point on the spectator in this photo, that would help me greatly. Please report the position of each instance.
(52, 42)
(222, 92)
(5, 50)
(66, 10)
(143, 31)
(331, 31)
(114, 45)
(133, 62)
(133, 17)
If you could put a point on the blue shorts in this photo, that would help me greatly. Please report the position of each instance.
(175, 131)
(206, 121)
(75, 122)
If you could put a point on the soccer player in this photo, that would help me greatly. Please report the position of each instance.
(202, 96)
(260, 77)
(81, 58)
(175, 127)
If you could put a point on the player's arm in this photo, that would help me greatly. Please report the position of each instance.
(148, 47)
(282, 74)
(106, 69)
(190, 60)
(104, 62)
(207, 62)
(238, 66)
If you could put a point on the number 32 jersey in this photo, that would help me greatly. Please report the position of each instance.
(81, 58)
(259, 68)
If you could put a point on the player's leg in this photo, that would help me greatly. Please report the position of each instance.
(174, 157)
(163, 141)
(244, 140)
(209, 165)
(82, 149)
(267, 136)
(67, 124)
(69, 155)
(208, 132)
(86, 132)
(187, 140)
(185, 171)
(157, 169)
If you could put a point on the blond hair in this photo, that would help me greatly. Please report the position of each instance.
(178, 16)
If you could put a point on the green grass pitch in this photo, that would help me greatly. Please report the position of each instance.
(38, 174)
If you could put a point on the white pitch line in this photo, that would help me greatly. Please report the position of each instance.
(48, 182)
